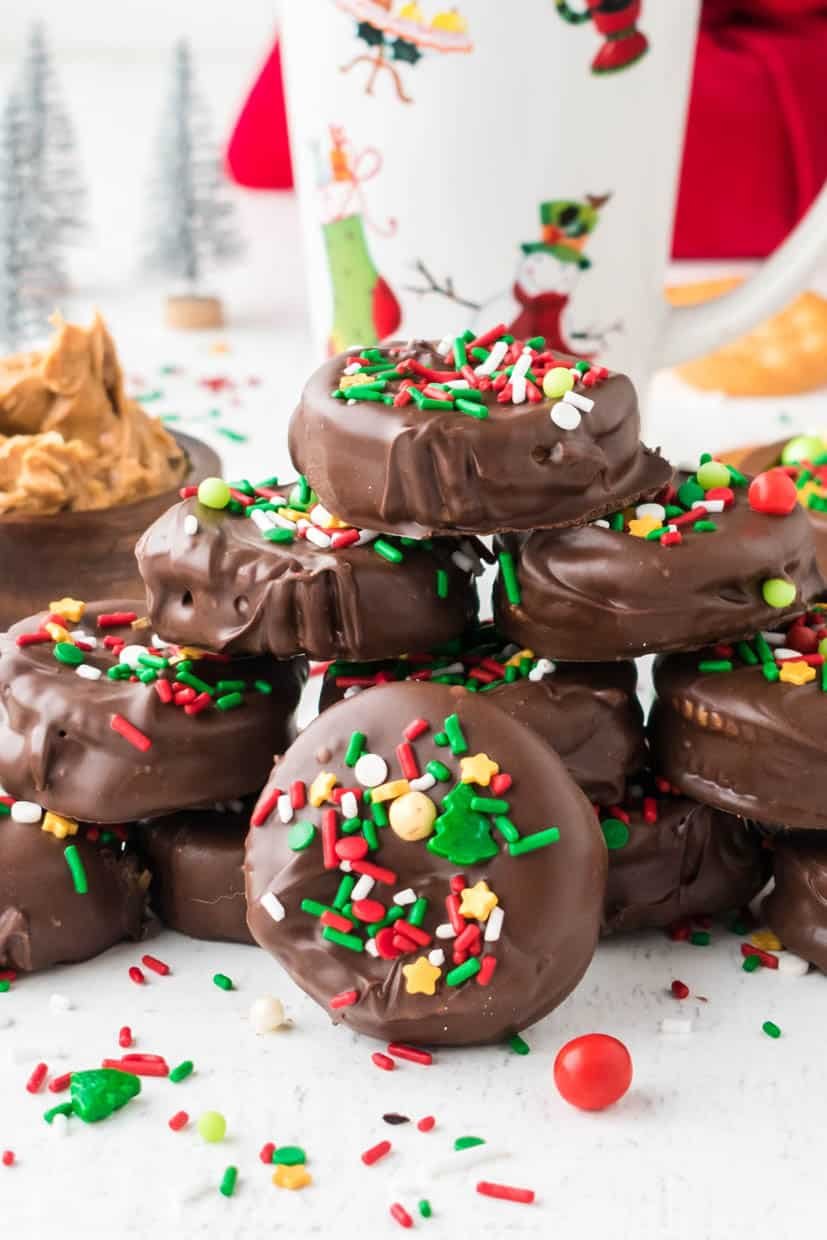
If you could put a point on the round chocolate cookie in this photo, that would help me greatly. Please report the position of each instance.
(299, 581)
(671, 858)
(588, 712)
(99, 721)
(441, 877)
(796, 908)
(701, 563)
(67, 899)
(197, 863)
(743, 727)
(389, 446)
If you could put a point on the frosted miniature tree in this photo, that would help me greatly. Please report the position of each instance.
(193, 223)
(24, 294)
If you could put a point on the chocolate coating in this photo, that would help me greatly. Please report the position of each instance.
(796, 908)
(588, 712)
(736, 741)
(596, 593)
(43, 920)
(197, 860)
(412, 471)
(765, 456)
(552, 897)
(57, 745)
(694, 861)
(293, 598)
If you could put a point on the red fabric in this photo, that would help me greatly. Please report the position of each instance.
(258, 154)
(756, 144)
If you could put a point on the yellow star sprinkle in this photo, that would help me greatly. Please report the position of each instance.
(59, 826)
(516, 659)
(292, 1177)
(189, 652)
(59, 634)
(355, 380)
(321, 788)
(70, 608)
(478, 901)
(639, 527)
(390, 791)
(478, 770)
(767, 941)
(421, 978)
(797, 672)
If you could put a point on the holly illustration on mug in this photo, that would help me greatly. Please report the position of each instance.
(616, 20)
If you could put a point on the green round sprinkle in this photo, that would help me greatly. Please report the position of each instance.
(222, 981)
(67, 652)
(700, 938)
(300, 835)
(214, 493)
(466, 1143)
(182, 1071)
(751, 964)
(689, 492)
(712, 474)
(802, 448)
(615, 832)
(212, 1126)
(771, 1029)
(440, 739)
(424, 1208)
(227, 1185)
(519, 1045)
(5, 985)
(778, 593)
(557, 381)
(289, 1156)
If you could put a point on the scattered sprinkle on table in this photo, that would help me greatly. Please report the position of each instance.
(222, 981)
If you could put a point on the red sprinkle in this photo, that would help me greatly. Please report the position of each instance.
(198, 704)
(179, 1120)
(136, 976)
(426, 1123)
(336, 921)
(506, 1192)
(401, 942)
(680, 932)
(343, 538)
(298, 794)
(164, 690)
(379, 872)
(680, 990)
(345, 998)
(415, 729)
(383, 1061)
(156, 965)
(125, 1037)
(8, 975)
(267, 1151)
(457, 884)
(419, 936)
(767, 959)
(454, 916)
(500, 784)
(59, 1083)
(265, 805)
(368, 910)
(371, 1156)
(187, 492)
(139, 1065)
(401, 1215)
(468, 938)
(351, 848)
(35, 1081)
(400, 1051)
(650, 809)
(8, 1158)
(32, 639)
(407, 761)
(130, 733)
(488, 968)
(116, 619)
(330, 820)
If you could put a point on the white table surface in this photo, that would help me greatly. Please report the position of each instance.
(720, 1135)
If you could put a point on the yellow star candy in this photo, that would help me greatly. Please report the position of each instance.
(292, 1177)
(797, 672)
(421, 978)
(321, 788)
(767, 941)
(639, 527)
(59, 634)
(59, 826)
(70, 608)
(478, 770)
(478, 901)
(516, 659)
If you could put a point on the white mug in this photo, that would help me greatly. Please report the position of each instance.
(509, 163)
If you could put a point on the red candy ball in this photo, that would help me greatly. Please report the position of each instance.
(773, 492)
(593, 1072)
(801, 638)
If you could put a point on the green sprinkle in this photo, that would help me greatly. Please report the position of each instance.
(355, 748)
(764, 649)
(615, 832)
(771, 1029)
(506, 829)
(440, 739)
(508, 572)
(263, 686)
(471, 408)
(700, 938)
(424, 1208)
(279, 535)
(289, 1156)
(154, 660)
(746, 653)
(530, 843)
(76, 869)
(230, 701)
(655, 534)
(222, 981)
(583, 367)
(823, 677)
(616, 522)
(390, 917)
(511, 673)
(736, 478)
(440, 771)
(343, 892)
(379, 814)
(460, 353)
(5, 810)
(705, 527)
(313, 907)
(244, 485)
(301, 492)
(350, 941)
(5, 986)
(366, 392)
(228, 1179)
(751, 964)
(369, 833)
(146, 398)
(536, 342)
(418, 910)
(441, 583)
(519, 1045)
(65, 1108)
(184, 1069)
(803, 478)
(387, 550)
(455, 735)
(234, 437)
(715, 665)
(301, 835)
(67, 652)
(467, 1143)
(195, 682)
(231, 686)
(772, 671)
(351, 825)
(462, 972)
(489, 805)
(148, 676)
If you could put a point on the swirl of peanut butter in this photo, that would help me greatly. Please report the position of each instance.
(70, 438)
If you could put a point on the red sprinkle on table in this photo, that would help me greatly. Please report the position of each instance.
(59, 1083)
(156, 965)
(371, 1156)
(680, 990)
(35, 1081)
(266, 1152)
(179, 1120)
(400, 1051)
(8, 1158)
(125, 1037)
(136, 975)
(767, 959)
(426, 1124)
(506, 1192)
(401, 1215)
(383, 1061)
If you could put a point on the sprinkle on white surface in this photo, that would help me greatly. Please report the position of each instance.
(267, 1014)
(60, 1003)
(791, 965)
(676, 1024)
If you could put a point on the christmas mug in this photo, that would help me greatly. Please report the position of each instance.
(485, 163)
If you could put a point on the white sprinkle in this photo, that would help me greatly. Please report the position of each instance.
(60, 1125)
(470, 550)
(585, 403)
(657, 511)
(80, 635)
(190, 524)
(352, 368)
(676, 1024)
(458, 385)
(159, 643)
(782, 652)
(26, 811)
(352, 690)
(450, 669)
(773, 639)
(445, 346)
(445, 931)
(494, 925)
(363, 887)
(285, 808)
(371, 770)
(408, 896)
(264, 520)
(371, 948)
(351, 401)
(317, 537)
(60, 1003)
(349, 805)
(602, 522)
(131, 654)
(791, 965)
(423, 783)
(543, 667)
(462, 562)
(345, 867)
(437, 957)
(565, 416)
(498, 351)
(273, 905)
(88, 671)
(283, 522)
(319, 515)
(366, 536)
(267, 1014)
(519, 390)
(711, 505)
